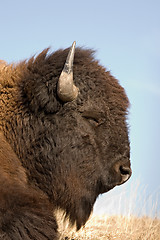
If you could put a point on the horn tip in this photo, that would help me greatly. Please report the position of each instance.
(74, 43)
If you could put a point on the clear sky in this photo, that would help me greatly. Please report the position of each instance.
(126, 35)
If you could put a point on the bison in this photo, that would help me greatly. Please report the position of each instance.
(63, 140)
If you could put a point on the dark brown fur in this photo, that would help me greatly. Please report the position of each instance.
(25, 213)
(67, 150)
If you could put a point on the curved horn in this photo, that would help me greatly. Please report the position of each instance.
(66, 89)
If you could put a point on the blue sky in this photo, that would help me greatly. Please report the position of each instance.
(126, 35)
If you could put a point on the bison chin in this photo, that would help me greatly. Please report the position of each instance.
(80, 212)
(79, 203)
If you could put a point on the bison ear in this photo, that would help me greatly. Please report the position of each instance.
(66, 89)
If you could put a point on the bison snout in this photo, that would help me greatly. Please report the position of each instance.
(123, 171)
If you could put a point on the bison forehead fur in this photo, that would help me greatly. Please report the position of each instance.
(68, 153)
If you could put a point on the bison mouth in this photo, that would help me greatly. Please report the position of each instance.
(103, 188)
(79, 205)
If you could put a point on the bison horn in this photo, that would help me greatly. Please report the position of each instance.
(66, 89)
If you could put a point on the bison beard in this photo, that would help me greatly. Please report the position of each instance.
(58, 149)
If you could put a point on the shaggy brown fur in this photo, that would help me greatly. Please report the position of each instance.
(25, 213)
(69, 151)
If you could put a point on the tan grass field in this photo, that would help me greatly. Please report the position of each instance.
(124, 225)
(113, 227)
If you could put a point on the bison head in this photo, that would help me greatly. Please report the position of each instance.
(73, 143)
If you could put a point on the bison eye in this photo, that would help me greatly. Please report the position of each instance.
(92, 117)
(92, 120)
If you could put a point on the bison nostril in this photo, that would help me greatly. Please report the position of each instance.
(125, 170)
(125, 173)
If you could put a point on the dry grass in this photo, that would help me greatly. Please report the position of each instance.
(125, 224)
(113, 227)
